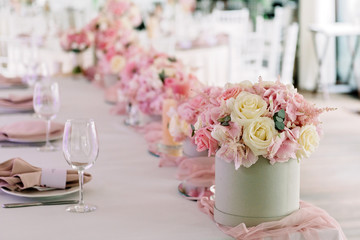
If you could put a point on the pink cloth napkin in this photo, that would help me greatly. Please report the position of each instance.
(34, 130)
(10, 81)
(17, 175)
(17, 102)
(307, 220)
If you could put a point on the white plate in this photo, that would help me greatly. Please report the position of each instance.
(20, 140)
(33, 193)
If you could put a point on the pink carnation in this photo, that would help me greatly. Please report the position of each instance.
(204, 141)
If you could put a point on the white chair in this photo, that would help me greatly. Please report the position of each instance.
(289, 53)
(235, 23)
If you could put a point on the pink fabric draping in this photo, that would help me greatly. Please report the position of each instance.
(307, 220)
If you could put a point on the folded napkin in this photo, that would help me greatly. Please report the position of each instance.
(17, 102)
(307, 220)
(17, 175)
(34, 130)
(10, 81)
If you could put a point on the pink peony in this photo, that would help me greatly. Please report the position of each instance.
(204, 141)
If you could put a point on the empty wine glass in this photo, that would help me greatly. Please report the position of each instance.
(46, 105)
(80, 148)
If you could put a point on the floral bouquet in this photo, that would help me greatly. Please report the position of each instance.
(266, 119)
(114, 35)
(147, 82)
(76, 42)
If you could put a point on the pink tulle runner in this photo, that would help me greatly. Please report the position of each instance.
(307, 220)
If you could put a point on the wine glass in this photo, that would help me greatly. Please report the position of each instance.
(81, 149)
(46, 105)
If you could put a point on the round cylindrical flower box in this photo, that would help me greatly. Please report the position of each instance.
(189, 149)
(260, 193)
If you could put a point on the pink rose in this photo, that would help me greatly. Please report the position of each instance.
(229, 93)
(205, 141)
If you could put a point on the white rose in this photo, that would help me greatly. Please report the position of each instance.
(258, 135)
(246, 106)
(117, 64)
(220, 133)
(308, 140)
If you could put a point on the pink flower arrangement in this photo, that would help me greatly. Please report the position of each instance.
(115, 39)
(151, 77)
(75, 41)
(245, 121)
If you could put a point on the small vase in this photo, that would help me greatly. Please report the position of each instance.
(260, 193)
(189, 149)
(110, 80)
(77, 63)
(133, 115)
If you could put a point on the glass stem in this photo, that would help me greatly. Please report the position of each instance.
(48, 126)
(81, 184)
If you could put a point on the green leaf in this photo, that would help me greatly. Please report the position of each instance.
(278, 119)
(281, 113)
(172, 59)
(193, 130)
(162, 76)
(77, 70)
(225, 124)
(279, 126)
(227, 118)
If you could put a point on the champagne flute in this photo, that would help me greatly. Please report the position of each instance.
(81, 149)
(46, 105)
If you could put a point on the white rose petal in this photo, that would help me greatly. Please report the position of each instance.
(258, 135)
(308, 140)
(220, 133)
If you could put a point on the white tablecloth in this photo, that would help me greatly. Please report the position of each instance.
(136, 199)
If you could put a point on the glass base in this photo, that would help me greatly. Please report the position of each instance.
(131, 122)
(81, 208)
(47, 148)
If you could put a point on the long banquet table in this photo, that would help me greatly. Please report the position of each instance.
(136, 199)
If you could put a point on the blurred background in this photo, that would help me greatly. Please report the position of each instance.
(225, 40)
